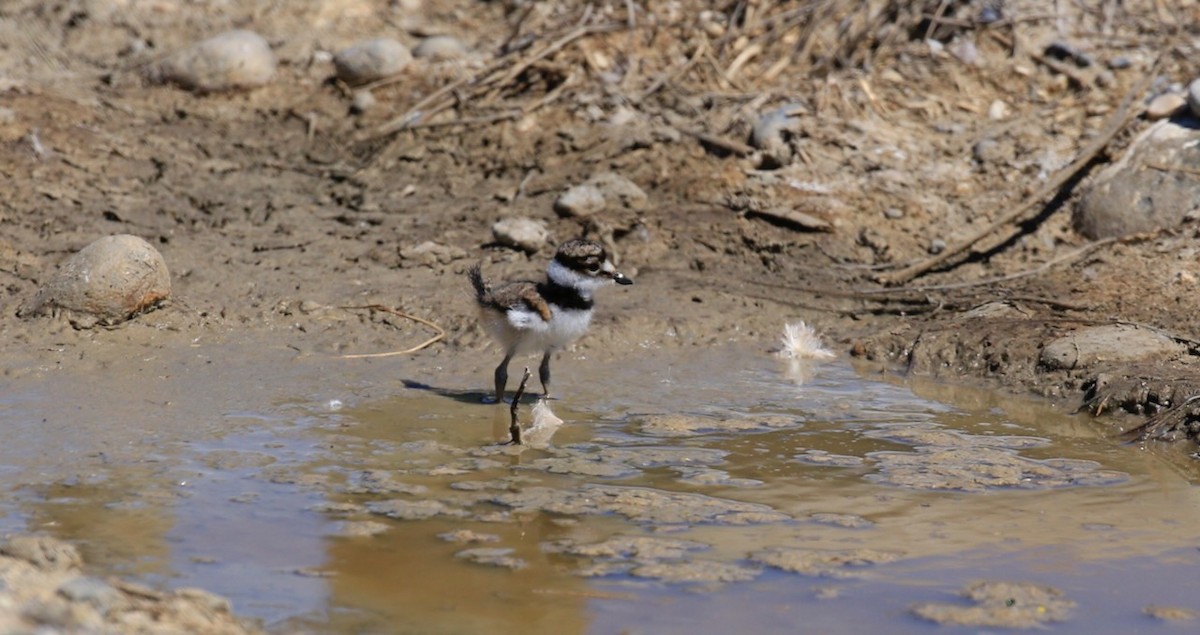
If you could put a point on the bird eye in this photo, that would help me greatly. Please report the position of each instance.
(593, 267)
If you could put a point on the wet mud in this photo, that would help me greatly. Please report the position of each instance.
(749, 171)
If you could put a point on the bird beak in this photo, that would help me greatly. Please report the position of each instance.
(617, 276)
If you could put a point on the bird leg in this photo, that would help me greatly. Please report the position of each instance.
(501, 378)
(544, 374)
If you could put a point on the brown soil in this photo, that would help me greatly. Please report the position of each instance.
(275, 207)
(272, 206)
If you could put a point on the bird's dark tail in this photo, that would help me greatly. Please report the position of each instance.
(482, 292)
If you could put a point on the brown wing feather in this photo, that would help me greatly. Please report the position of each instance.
(513, 294)
(535, 300)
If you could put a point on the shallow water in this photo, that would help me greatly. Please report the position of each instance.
(707, 492)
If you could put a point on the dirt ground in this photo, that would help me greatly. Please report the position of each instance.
(920, 123)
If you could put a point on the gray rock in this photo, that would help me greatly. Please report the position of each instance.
(111, 280)
(579, 201)
(231, 60)
(1109, 343)
(966, 51)
(1164, 106)
(1120, 62)
(370, 60)
(988, 151)
(430, 253)
(96, 592)
(773, 131)
(440, 47)
(1193, 97)
(1136, 194)
(619, 191)
(606, 190)
(526, 234)
(363, 101)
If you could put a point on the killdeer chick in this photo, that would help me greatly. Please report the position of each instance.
(544, 316)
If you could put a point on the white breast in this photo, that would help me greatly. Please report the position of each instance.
(527, 332)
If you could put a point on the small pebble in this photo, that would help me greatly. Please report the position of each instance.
(363, 101)
(1164, 106)
(989, 14)
(370, 60)
(989, 151)
(998, 110)
(1065, 51)
(966, 51)
(1120, 63)
(440, 47)
(893, 213)
(772, 128)
(937, 246)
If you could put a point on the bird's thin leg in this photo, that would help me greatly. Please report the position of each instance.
(544, 373)
(502, 377)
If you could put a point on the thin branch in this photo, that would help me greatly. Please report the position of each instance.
(1121, 118)
(494, 75)
(441, 333)
(1077, 253)
(514, 427)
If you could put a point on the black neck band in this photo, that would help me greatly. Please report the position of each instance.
(565, 297)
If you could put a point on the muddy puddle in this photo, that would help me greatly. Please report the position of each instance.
(700, 492)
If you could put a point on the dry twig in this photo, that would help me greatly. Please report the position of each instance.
(491, 79)
(441, 333)
(1077, 253)
(1121, 118)
(514, 427)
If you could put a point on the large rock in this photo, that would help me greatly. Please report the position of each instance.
(107, 282)
(1109, 343)
(231, 60)
(1155, 185)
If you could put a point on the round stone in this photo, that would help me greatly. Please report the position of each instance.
(231, 60)
(526, 234)
(109, 281)
(371, 60)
